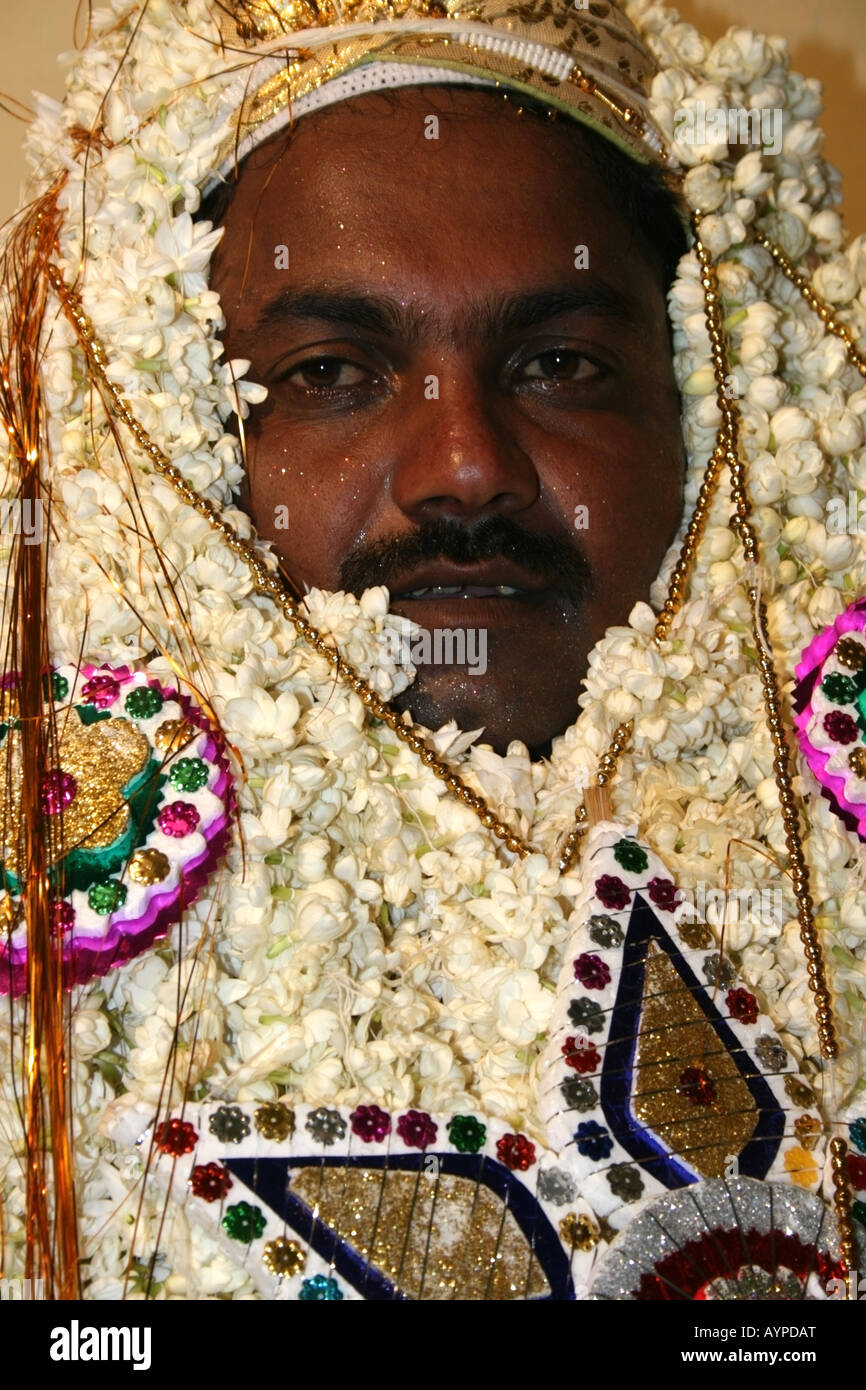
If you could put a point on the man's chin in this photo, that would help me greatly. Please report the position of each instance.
(516, 695)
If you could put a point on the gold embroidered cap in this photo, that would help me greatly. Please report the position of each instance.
(583, 57)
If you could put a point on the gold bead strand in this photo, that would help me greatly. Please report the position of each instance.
(842, 1210)
(742, 525)
(596, 803)
(825, 311)
(793, 841)
(726, 440)
(727, 451)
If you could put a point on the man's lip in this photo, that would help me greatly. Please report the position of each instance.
(493, 611)
(444, 583)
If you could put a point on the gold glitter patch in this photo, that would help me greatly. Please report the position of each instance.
(148, 866)
(435, 1236)
(675, 1034)
(103, 758)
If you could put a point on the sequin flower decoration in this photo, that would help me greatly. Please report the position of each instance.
(211, 1181)
(466, 1133)
(697, 935)
(320, 1289)
(857, 1171)
(325, 1126)
(370, 1123)
(742, 1005)
(591, 971)
(857, 1131)
(630, 857)
(175, 1137)
(695, 1084)
(625, 1181)
(143, 702)
(244, 1222)
(840, 727)
(106, 897)
(416, 1129)
(58, 791)
(556, 1186)
(283, 1257)
(578, 1232)
(516, 1152)
(612, 892)
(838, 688)
(798, 1092)
(604, 931)
(718, 970)
(593, 1140)
(274, 1121)
(62, 917)
(101, 691)
(770, 1053)
(581, 1055)
(587, 1014)
(178, 819)
(578, 1095)
(229, 1124)
(188, 775)
(664, 894)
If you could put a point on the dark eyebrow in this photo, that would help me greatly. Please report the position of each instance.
(490, 319)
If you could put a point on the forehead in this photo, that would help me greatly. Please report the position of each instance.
(426, 191)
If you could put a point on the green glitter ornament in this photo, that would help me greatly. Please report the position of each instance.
(188, 775)
(243, 1222)
(106, 897)
(143, 703)
(466, 1133)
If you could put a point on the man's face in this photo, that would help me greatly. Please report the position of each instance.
(464, 404)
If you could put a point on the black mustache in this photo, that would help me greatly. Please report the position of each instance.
(388, 559)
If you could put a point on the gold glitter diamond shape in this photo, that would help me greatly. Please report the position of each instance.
(433, 1235)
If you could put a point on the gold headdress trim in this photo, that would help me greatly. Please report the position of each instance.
(589, 63)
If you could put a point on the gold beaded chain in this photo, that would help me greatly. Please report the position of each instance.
(842, 1211)
(596, 804)
(267, 582)
(724, 451)
(825, 312)
(727, 451)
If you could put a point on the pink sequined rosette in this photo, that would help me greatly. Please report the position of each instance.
(144, 798)
(830, 713)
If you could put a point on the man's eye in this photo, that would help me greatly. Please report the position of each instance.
(559, 364)
(327, 374)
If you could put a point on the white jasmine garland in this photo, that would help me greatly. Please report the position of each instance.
(370, 941)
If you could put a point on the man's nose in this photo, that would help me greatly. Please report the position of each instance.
(458, 455)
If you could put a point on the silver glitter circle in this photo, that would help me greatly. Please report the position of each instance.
(668, 1223)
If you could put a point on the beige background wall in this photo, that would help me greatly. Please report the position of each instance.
(828, 40)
